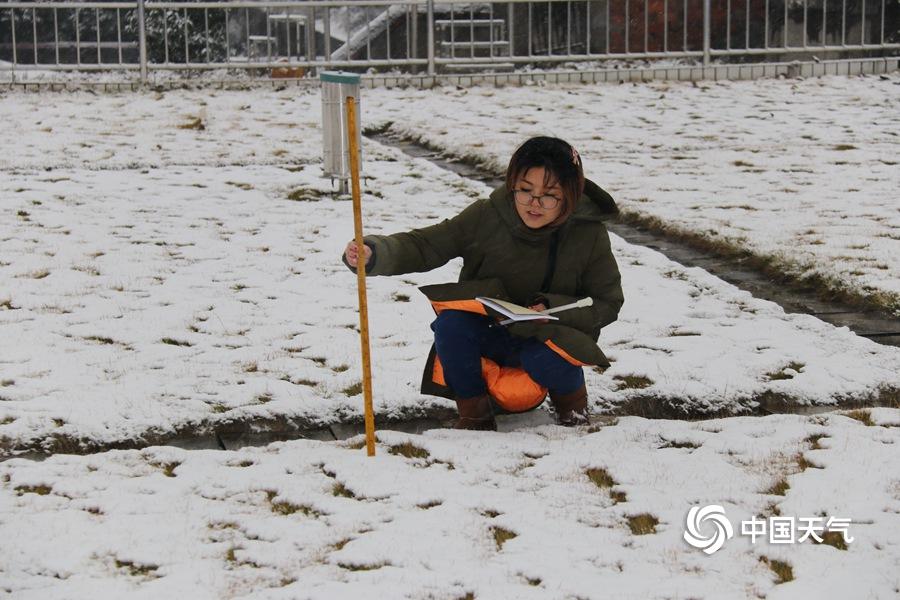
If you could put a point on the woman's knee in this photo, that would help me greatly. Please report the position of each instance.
(546, 366)
(455, 323)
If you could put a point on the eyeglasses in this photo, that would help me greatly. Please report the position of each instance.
(547, 202)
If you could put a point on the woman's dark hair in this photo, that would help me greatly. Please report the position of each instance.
(561, 164)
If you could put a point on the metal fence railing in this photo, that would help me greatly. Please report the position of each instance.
(293, 39)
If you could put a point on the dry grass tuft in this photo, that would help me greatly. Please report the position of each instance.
(834, 539)
(783, 373)
(779, 488)
(339, 489)
(863, 416)
(642, 524)
(782, 570)
(409, 450)
(501, 536)
(40, 490)
(632, 382)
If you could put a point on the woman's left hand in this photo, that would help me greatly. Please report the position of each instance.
(539, 308)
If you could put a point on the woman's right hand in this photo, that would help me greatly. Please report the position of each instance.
(351, 253)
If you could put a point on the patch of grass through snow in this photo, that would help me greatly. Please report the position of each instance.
(632, 382)
(642, 524)
(834, 539)
(339, 489)
(174, 342)
(305, 195)
(408, 450)
(40, 490)
(283, 507)
(363, 567)
(782, 570)
(353, 390)
(136, 569)
(813, 440)
(863, 416)
(779, 488)
(603, 480)
(677, 444)
(785, 372)
(501, 536)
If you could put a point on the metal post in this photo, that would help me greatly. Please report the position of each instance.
(142, 40)
(706, 20)
(430, 9)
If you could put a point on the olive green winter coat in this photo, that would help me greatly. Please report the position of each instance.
(503, 258)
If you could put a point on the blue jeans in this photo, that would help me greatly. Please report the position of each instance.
(462, 338)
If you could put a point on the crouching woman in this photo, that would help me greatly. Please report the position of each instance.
(538, 241)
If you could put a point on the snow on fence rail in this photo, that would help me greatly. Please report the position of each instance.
(293, 39)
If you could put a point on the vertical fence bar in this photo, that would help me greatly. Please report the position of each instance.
(206, 34)
(142, 40)
(587, 31)
(312, 49)
(766, 27)
(187, 51)
(569, 28)
(472, 46)
(227, 37)
(646, 27)
(510, 30)
(786, 21)
(347, 30)
(368, 35)
(805, 16)
(530, 22)
(684, 27)
(56, 35)
(491, 30)
(883, 18)
(747, 24)
(97, 19)
(607, 25)
(549, 28)
(34, 34)
(12, 26)
(78, 35)
(844, 23)
(706, 20)
(627, 25)
(119, 32)
(728, 25)
(665, 25)
(247, 44)
(269, 35)
(452, 32)
(326, 22)
(165, 13)
(429, 7)
(387, 30)
(408, 32)
(862, 33)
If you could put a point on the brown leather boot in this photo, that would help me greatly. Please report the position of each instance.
(475, 413)
(571, 409)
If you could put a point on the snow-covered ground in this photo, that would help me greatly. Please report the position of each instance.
(542, 513)
(803, 173)
(158, 276)
(160, 279)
